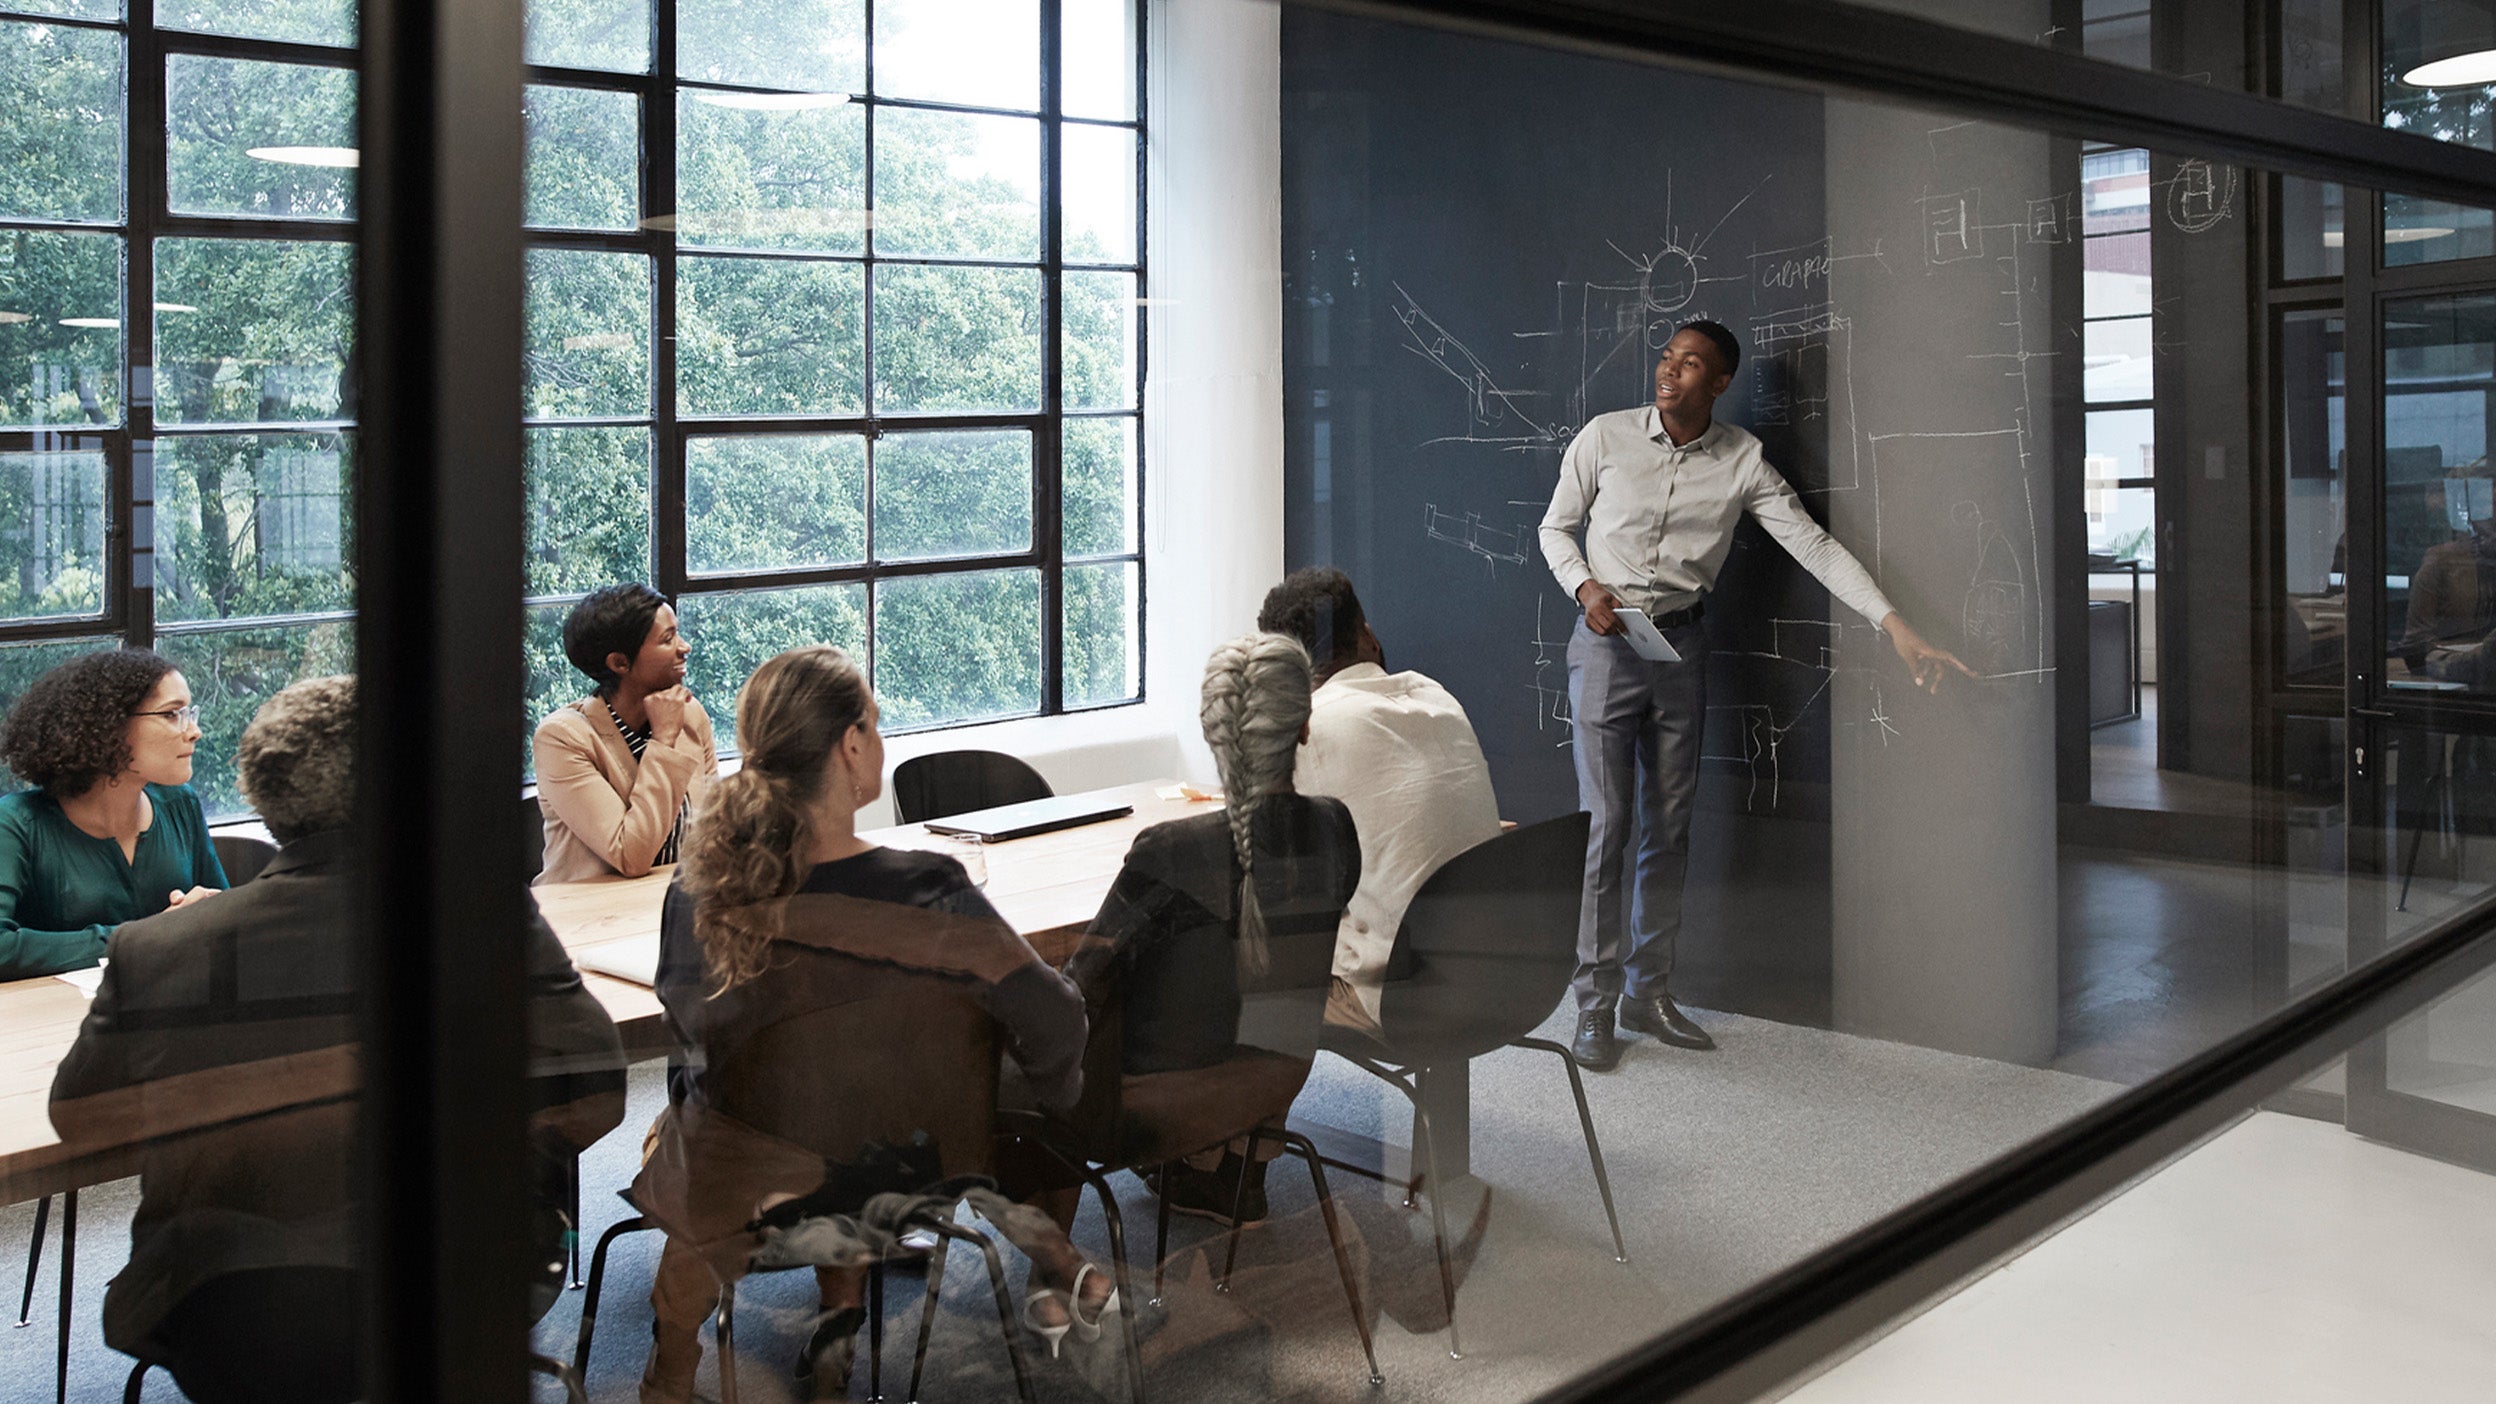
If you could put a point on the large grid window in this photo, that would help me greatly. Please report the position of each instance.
(177, 266)
(2115, 194)
(834, 334)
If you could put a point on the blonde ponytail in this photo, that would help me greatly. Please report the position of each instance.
(1254, 706)
(749, 842)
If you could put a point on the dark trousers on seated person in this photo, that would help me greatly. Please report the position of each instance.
(1638, 727)
(291, 1335)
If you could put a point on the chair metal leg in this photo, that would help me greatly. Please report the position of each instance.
(927, 1307)
(1118, 1271)
(138, 1382)
(597, 1281)
(1239, 1200)
(1438, 1225)
(34, 1260)
(1005, 1308)
(727, 1343)
(548, 1366)
(875, 1331)
(1594, 1148)
(572, 1239)
(1161, 1235)
(69, 1269)
(1301, 1146)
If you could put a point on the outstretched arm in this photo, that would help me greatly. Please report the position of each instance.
(1772, 500)
(1926, 662)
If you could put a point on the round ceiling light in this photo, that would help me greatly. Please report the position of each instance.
(2471, 70)
(340, 157)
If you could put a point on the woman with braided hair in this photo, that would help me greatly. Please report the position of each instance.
(1218, 938)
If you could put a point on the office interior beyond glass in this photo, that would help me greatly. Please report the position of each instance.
(962, 343)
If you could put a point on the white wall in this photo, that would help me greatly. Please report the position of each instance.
(1213, 397)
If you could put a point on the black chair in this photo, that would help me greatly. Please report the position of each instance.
(1491, 939)
(957, 782)
(242, 856)
(69, 1269)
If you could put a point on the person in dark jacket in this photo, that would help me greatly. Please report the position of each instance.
(244, 1278)
(1218, 938)
(791, 952)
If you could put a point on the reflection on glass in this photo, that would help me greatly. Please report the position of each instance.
(919, 52)
(252, 524)
(2310, 45)
(252, 330)
(1099, 194)
(2313, 774)
(775, 501)
(1098, 49)
(2118, 360)
(952, 648)
(765, 177)
(2116, 31)
(2314, 540)
(952, 185)
(1099, 340)
(60, 328)
(2439, 514)
(734, 631)
(2313, 218)
(1097, 468)
(588, 346)
(2417, 33)
(606, 34)
(2115, 274)
(2447, 1052)
(588, 508)
(2435, 853)
(233, 671)
(303, 21)
(52, 525)
(769, 336)
(1103, 660)
(584, 157)
(956, 339)
(809, 46)
(962, 493)
(60, 151)
(259, 139)
(69, 9)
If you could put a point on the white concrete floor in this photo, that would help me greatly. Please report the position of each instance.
(2286, 1260)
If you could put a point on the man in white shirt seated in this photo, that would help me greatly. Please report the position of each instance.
(1399, 752)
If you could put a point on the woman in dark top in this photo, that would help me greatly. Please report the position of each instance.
(817, 985)
(111, 831)
(1219, 935)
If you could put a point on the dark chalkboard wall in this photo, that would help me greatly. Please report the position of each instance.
(1483, 246)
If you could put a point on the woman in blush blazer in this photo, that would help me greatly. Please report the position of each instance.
(620, 772)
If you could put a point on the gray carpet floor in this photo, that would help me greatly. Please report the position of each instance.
(1727, 1166)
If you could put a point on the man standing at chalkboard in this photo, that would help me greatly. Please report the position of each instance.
(1657, 491)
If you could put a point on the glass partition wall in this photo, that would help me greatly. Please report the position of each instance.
(830, 322)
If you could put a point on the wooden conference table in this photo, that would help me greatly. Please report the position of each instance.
(1047, 886)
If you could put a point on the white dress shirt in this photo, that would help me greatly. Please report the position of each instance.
(1401, 755)
(1659, 517)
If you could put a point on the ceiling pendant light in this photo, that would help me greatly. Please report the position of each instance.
(2454, 42)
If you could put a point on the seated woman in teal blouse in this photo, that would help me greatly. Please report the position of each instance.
(111, 832)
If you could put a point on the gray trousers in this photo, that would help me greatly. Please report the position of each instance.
(1637, 727)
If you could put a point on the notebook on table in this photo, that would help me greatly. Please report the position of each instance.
(634, 959)
(1013, 821)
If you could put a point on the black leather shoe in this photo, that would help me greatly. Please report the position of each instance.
(1659, 1018)
(1595, 1049)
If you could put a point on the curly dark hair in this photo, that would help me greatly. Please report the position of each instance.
(70, 729)
(613, 620)
(296, 763)
(1317, 607)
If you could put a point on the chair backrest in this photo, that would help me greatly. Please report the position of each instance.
(533, 838)
(1493, 943)
(242, 856)
(912, 1053)
(958, 782)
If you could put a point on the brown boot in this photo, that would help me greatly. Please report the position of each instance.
(674, 1356)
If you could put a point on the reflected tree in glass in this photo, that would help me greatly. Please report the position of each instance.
(264, 140)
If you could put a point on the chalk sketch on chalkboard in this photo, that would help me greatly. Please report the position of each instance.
(2049, 220)
(1954, 231)
(1496, 546)
(1993, 615)
(2200, 196)
(1551, 691)
(1494, 414)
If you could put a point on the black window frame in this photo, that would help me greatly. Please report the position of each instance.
(655, 237)
(132, 446)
